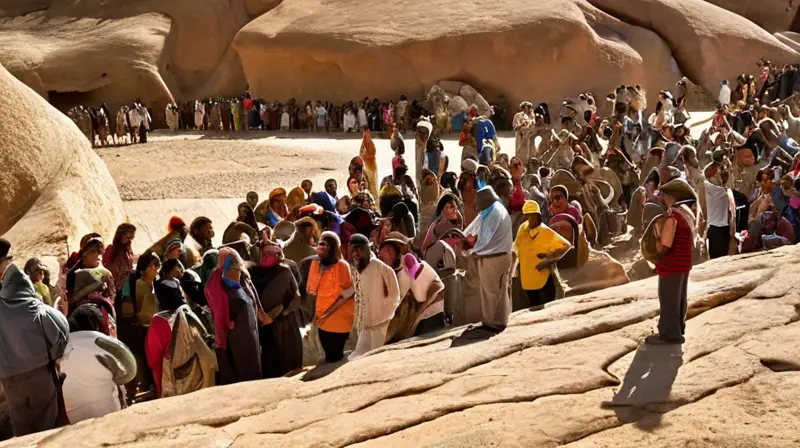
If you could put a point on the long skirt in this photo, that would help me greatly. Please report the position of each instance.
(281, 347)
(369, 339)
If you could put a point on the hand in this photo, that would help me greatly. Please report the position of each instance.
(61, 305)
(541, 256)
(263, 318)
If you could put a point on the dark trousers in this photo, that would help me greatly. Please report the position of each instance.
(546, 294)
(333, 344)
(672, 299)
(719, 239)
(32, 401)
(742, 210)
(432, 161)
(429, 325)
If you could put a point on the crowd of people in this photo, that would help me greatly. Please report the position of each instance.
(247, 113)
(407, 255)
(129, 125)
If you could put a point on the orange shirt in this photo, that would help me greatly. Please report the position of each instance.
(328, 285)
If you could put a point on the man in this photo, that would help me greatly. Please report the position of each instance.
(676, 235)
(118, 256)
(307, 185)
(720, 210)
(377, 296)
(489, 264)
(523, 122)
(304, 239)
(202, 231)
(539, 249)
(33, 337)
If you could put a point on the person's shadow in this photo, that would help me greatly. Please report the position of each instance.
(647, 385)
(473, 335)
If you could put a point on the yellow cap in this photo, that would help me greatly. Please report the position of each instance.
(530, 207)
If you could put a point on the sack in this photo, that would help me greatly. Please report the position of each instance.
(125, 303)
(192, 365)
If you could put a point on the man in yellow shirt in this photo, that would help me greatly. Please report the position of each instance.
(539, 248)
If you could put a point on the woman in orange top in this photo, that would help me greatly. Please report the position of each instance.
(330, 281)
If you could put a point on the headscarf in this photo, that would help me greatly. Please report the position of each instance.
(325, 200)
(169, 294)
(271, 254)
(441, 224)
(218, 301)
(334, 248)
(208, 265)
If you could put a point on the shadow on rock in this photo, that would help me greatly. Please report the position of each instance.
(473, 335)
(647, 384)
(323, 370)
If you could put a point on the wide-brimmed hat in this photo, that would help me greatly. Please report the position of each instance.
(398, 240)
(678, 189)
(284, 230)
(568, 180)
(469, 166)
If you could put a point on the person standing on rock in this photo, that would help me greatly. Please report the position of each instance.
(676, 237)
(489, 264)
(34, 336)
(523, 127)
(539, 249)
(376, 296)
(329, 280)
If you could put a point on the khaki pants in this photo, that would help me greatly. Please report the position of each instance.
(494, 275)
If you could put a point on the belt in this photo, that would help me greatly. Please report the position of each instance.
(492, 255)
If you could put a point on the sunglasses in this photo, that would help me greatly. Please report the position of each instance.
(558, 197)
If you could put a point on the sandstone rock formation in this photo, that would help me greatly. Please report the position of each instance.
(116, 51)
(709, 43)
(53, 188)
(571, 373)
(344, 49)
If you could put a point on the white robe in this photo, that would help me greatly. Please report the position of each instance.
(285, 121)
(349, 121)
(374, 307)
(362, 118)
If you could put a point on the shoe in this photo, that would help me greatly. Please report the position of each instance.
(658, 340)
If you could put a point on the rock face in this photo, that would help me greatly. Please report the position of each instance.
(116, 51)
(571, 373)
(709, 43)
(338, 50)
(53, 188)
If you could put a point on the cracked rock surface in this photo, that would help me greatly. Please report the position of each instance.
(571, 374)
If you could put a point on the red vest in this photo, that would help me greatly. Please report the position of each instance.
(678, 259)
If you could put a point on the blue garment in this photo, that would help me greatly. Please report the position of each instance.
(484, 130)
(458, 122)
(432, 161)
(272, 218)
(485, 155)
(27, 327)
(789, 145)
(780, 200)
(325, 200)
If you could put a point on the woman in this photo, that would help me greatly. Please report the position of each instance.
(118, 257)
(330, 282)
(448, 216)
(159, 338)
(199, 115)
(278, 210)
(171, 268)
(322, 117)
(280, 339)
(234, 304)
(135, 309)
(285, 123)
(90, 258)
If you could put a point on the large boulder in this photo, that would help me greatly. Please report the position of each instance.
(117, 50)
(344, 49)
(772, 15)
(709, 43)
(571, 372)
(53, 188)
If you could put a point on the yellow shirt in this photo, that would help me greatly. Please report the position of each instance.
(43, 293)
(529, 244)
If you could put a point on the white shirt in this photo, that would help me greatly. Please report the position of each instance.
(718, 205)
(89, 389)
(725, 95)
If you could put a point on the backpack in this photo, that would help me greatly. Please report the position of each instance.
(191, 365)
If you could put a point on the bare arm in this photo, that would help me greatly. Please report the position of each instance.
(334, 308)
(552, 258)
(667, 233)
